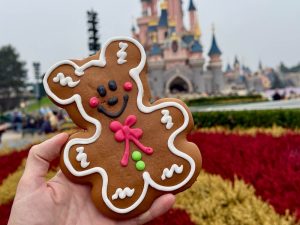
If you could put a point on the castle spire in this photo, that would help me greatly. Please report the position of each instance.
(192, 6)
(194, 25)
(133, 30)
(163, 20)
(197, 34)
(260, 66)
(214, 50)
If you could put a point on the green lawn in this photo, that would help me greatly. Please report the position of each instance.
(45, 101)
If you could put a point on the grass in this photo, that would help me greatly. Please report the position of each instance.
(44, 102)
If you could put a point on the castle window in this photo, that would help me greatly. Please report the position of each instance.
(174, 46)
(166, 34)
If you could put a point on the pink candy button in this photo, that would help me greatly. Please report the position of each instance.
(94, 102)
(127, 86)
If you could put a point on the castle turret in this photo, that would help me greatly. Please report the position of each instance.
(215, 66)
(156, 67)
(144, 21)
(155, 51)
(236, 64)
(214, 52)
(260, 66)
(145, 7)
(154, 7)
(176, 14)
(134, 34)
(163, 22)
(196, 48)
(193, 16)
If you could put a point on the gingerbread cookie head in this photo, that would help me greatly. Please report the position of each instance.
(130, 151)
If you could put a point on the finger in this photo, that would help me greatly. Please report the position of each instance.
(158, 208)
(41, 155)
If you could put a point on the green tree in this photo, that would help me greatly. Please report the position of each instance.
(12, 78)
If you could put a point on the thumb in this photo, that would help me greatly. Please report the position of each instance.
(40, 156)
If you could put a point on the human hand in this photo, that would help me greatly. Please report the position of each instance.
(59, 201)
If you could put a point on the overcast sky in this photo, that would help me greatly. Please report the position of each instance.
(49, 31)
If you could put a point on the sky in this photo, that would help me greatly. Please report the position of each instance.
(253, 30)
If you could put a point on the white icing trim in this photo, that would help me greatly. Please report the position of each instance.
(64, 81)
(168, 173)
(123, 193)
(122, 53)
(167, 119)
(82, 157)
(134, 73)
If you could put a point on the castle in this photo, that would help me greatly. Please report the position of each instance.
(175, 53)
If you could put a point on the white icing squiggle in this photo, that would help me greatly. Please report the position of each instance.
(82, 157)
(64, 81)
(167, 119)
(135, 74)
(168, 173)
(123, 193)
(122, 53)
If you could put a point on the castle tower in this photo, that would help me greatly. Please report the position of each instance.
(236, 64)
(142, 22)
(176, 14)
(196, 48)
(145, 5)
(134, 34)
(215, 66)
(260, 66)
(163, 22)
(154, 7)
(193, 16)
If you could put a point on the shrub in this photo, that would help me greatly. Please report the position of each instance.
(11, 162)
(225, 100)
(173, 217)
(270, 164)
(246, 119)
(213, 200)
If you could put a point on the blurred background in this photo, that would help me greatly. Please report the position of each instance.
(235, 63)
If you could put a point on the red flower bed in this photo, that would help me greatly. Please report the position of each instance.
(270, 164)
(4, 213)
(11, 162)
(174, 217)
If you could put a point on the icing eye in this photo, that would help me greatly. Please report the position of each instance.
(94, 102)
(101, 90)
(112, 85)
(127, 86)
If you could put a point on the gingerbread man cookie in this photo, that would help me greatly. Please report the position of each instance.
(130, 151)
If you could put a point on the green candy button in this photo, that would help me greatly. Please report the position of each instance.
(140, 165)
(136, 156)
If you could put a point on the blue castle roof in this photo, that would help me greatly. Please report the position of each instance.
(214, 50)
(152, 28)
(196, 47)
(188, 38)
(155, 49)
(192, 6)
(163, 20)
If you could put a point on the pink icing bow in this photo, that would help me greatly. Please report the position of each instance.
(127, 134)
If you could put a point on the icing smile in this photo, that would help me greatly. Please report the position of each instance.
(101, 109)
